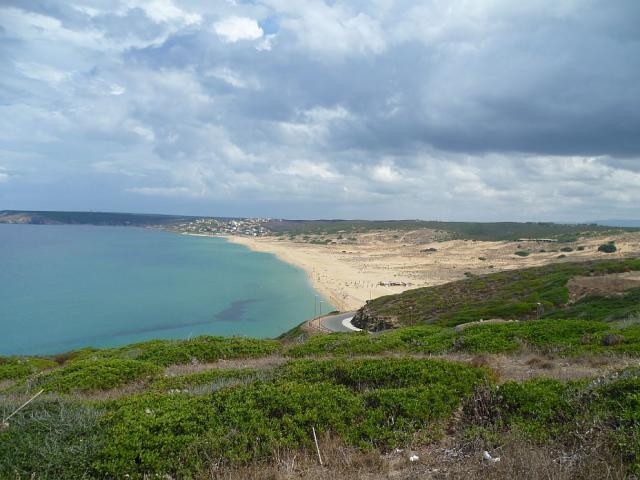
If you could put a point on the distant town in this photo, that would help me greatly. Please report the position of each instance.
(253, 227)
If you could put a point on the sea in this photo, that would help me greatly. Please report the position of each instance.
(64, 287)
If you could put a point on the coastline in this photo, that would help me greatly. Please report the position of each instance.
(315, 267)
(386, 263)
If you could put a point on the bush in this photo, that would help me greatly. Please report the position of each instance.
(99, 374)
(51, 440)
(522, 253)
(558, 336)
(385, 373)
(608, 247)
(368, 403)
(18, 368)
(537, 407)
(200, 349)
(424, 339)
(552, 335)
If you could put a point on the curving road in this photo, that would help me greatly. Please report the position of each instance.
(338, 323)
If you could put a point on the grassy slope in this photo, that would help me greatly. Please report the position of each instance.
(183, 420)
(513, 295)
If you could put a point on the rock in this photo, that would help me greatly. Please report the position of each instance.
(414, 458)
(367, 320)
(612, 339)
(487, 457)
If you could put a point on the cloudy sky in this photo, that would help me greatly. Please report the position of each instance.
(442, 109)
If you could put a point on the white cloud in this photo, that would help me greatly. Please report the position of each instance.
(310, 170)
(332, 29)
(115, 89)
(167, 11)
(266, 44)
(162, 191)
(385, 173)
(234, 29)
(233, 78)
(44, 73)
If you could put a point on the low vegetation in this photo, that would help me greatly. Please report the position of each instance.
(17, 368)
(496, 231)
(608, 247)
(212, 407)
(559, 337)
(518, 294)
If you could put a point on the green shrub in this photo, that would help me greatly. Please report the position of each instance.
(98, 374)
(538, 407)
(557, 336)
(368, 403)
(424, 339)
(18, 368)
(602, 308)
(51, 440)
(522, 253)
(201, 349)
(385, 373)
(608, 247)
(551, 335)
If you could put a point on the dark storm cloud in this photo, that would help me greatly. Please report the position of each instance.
(490, 109)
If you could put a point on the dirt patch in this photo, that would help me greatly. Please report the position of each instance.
(526, 365)
(532, 365)
(235, 364)
(614, 284)
(464, 326)
(453, 457)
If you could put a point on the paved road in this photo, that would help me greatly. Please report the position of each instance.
(335, 323)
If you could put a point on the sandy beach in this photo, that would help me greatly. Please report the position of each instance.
(350, 274)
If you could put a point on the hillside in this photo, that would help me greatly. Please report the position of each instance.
(89, 218)
(516, 294)
(485, 231)
(490, 231)
(553, 398)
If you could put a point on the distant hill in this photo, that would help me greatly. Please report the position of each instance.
(490, 231)
(619, 223)
(89, 218)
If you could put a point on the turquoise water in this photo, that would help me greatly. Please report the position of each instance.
(66, 287)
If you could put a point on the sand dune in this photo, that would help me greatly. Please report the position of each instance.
(348, 274)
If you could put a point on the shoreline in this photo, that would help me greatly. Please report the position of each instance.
(376, 264)
(287, 256)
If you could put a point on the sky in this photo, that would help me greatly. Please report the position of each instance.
(478, 110)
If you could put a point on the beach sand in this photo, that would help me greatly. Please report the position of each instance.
(349, 274)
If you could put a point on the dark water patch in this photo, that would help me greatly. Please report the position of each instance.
(236, 311)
